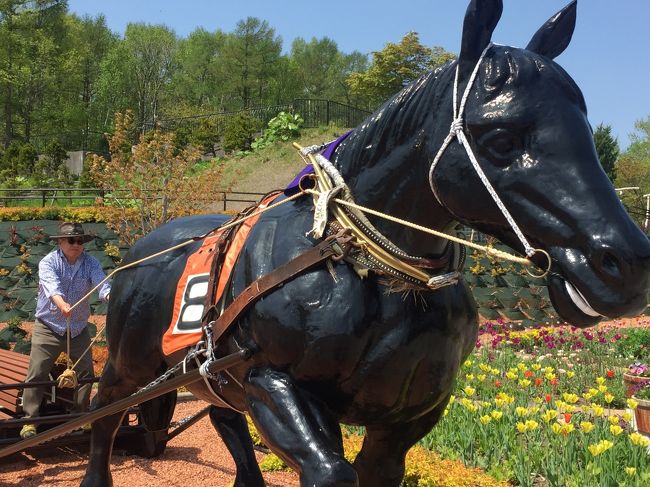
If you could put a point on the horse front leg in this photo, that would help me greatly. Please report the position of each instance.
(298, 429)
(111, 388)
(233, 429)
(381, 460)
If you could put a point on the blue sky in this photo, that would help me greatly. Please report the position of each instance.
(609, 56)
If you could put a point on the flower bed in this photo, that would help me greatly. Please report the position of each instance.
(546, 406)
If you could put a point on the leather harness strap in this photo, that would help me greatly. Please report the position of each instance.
(332, 247)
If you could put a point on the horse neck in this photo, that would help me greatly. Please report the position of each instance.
(385, 161)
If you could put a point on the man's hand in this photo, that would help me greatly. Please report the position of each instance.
(65, 308)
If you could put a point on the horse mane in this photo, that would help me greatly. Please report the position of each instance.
(410, 111)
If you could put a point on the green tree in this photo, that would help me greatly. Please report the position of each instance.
(50, 168)
(137, 71)
(30, 58)
(394, 67)
(607, 149)
(197, 81)
(633, 169)
(315, 64)
(249, 61)
(87, 43)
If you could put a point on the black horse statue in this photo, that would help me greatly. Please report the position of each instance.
(331, 349)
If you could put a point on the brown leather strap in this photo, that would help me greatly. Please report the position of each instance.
(332, 246)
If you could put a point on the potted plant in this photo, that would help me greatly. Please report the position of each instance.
(642, 412)
(638, 373)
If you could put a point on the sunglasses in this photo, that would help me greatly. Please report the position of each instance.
(73, 240)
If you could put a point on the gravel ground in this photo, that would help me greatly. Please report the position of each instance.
(197, 456)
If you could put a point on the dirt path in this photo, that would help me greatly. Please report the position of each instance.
(195, 457)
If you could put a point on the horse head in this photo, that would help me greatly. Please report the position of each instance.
(525, 121)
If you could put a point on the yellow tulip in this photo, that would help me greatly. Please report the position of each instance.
(549, 415)
(600, 381)
(615, 429)
(608, 398)
(452, 398)
(631, 471)
(627, 416)
(567, 428)
(600, 447)
(524, 383)
(469, 377)
(556, 428)
(521, 427)
(639, 439)
(570, 398)
(511, 375)
(602, 388)
(485, 419)
(481, 377)
(597, 410)
(531, 424)
(496, 415)
(469, 390)
(631, 403)
(613, 419)
(521, 411)
(586, 426)
(536, 366)
(570, 374)
(594, 392)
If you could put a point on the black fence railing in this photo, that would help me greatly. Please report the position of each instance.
(315, 113)
(87, 196)
(325, 112)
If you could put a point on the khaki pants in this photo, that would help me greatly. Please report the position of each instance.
(46, 347)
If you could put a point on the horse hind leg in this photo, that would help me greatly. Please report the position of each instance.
(233, 429)
(298, 429)
(111, 388)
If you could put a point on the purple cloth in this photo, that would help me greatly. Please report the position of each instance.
(308, 169)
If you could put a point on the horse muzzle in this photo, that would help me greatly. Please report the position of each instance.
(607, 286)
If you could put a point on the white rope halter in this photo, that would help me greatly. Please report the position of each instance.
(456, 130)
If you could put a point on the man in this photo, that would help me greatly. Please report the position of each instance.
(65, 275)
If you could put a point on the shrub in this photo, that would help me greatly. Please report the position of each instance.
(239, 131)
(635, 343)
(283, 126)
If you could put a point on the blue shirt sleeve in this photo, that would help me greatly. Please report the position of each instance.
(48, 279)
(97, 275)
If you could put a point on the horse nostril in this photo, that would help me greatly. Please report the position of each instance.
(608, 263)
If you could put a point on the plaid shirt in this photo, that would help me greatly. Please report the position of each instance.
(56, 276)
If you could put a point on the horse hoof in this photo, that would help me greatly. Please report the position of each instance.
(91, 480)
(335, 474)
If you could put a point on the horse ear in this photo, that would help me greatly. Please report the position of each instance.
(480, 20)
(554, 36)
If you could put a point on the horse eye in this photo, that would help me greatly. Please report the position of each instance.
(500, 145)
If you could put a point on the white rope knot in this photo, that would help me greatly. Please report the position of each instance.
(456, 128)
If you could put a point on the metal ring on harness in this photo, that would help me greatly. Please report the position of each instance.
(306, 176)
(548, 269)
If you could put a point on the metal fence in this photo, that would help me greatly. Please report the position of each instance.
(232, 200)
(315, 113)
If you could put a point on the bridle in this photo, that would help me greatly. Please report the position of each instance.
(457, 131)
